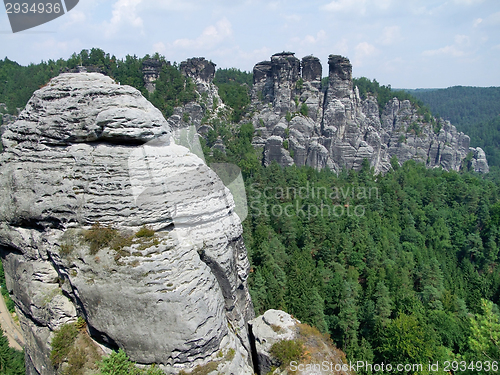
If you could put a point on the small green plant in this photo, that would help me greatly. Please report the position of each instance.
(436, 126)
(120, 242)
(285, 144)
(402, 138)
(415, 128)
(300, 84)
(288, 116)
(145, 232)
(77, 359)
(276, 328)
(230, 355)
(62, 343)
(50, 296)
(99, 237)
(287, 351)
(185, 117)
(304, 109)
(81, 324)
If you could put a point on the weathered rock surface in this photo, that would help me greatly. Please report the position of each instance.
(208, 106)
(151, 69)
(88, 150)
(274, 326)
(268, 329)
(337, 129)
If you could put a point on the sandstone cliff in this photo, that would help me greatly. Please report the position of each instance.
(297, 123)
(85, 167)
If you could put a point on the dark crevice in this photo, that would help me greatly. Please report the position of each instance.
(438, 154)
(38, 225)
(219, 274)
(4, 250)
(253, 349)
(116, 141)
(101, 337)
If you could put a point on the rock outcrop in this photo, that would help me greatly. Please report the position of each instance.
(89, 158)
(278, 327)
(297, 123)
(208, 107)
(151, 69)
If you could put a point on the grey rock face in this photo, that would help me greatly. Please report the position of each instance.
(199, 68)
(337, 129)
(87, 150)
(268, 329)
(311, 69)
(208, 106)
(151, 69)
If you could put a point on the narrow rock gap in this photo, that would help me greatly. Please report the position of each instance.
(253, 350)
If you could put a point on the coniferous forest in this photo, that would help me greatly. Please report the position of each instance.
(397, 268)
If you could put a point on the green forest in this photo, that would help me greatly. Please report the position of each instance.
(400, 268)
(397, 268)
(11, 360)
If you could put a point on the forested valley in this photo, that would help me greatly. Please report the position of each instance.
(397, 268)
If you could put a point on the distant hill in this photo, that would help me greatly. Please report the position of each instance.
(473, 110)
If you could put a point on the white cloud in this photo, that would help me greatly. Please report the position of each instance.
(292, 18)
(462, 40)
(74, 17)
(54, 46)
(458, 49)
(391, 35)
(160, 48)
(342, 47)
(124, 16)
(310, 39)
(170, 6)
(477, 22)
(448, 50)
(363, 51)
(356, 6)
(209, 38)
(467, 2)
(345, 6)
(493, 19)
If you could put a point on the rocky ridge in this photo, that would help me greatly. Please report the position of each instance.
(87, 155)
(208, 107)
(296, 123)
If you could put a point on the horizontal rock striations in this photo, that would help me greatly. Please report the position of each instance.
(299, 122)
(90, 159)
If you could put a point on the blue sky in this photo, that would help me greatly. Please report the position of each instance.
(405, 43)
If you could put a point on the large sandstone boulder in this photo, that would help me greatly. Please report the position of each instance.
(88, 155)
